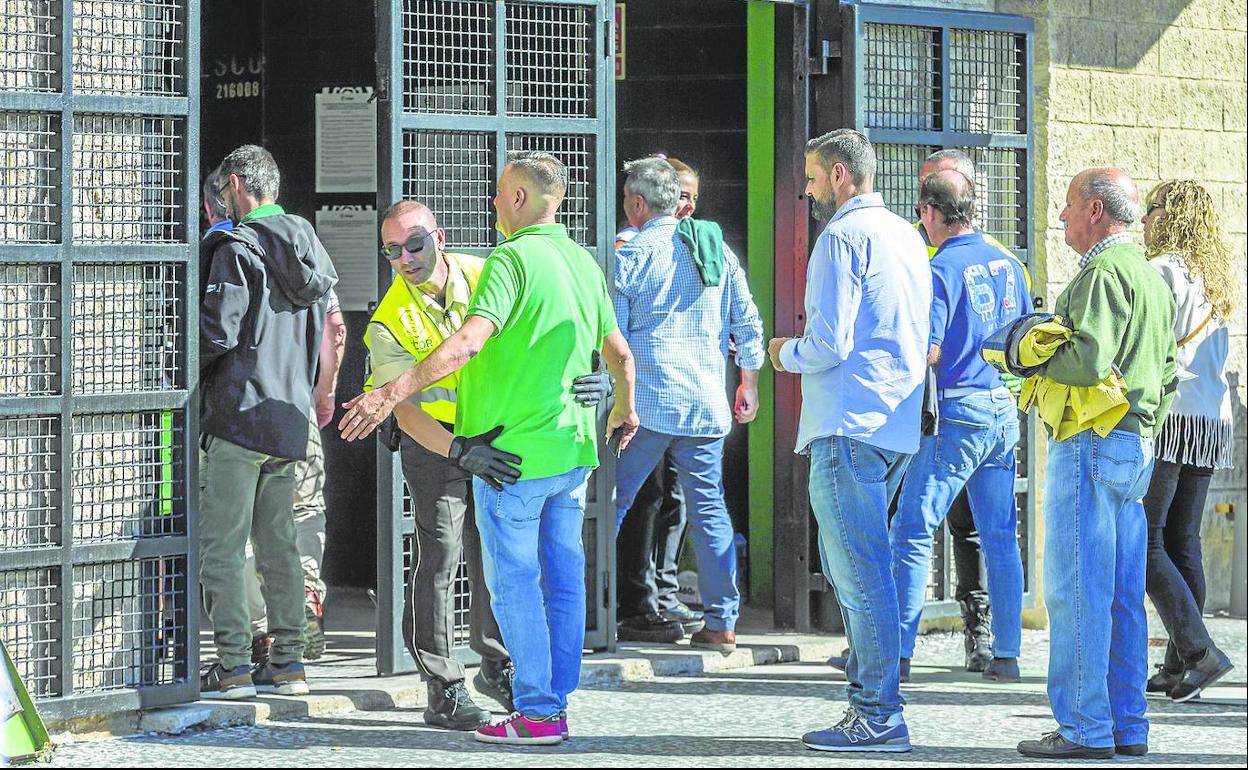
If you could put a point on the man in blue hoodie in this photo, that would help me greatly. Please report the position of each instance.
(261, 319)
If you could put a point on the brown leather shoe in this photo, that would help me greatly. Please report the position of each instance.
(719, 641)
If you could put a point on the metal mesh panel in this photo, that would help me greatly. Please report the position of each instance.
(589, 537)
(129, 47)
(550, 60)
(985, 82)
(30, 476)
(30, 621)
(127, 327)
(576, 151)
(901, 73)
(127, 476)
(897, 176)
(28, 32)
(1001, 178)
(452, 172)
(29, 177)
(128, 179)
(448, 56)
(130, 624)
(30, 300)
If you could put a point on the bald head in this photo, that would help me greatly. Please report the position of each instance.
(414, 212)
(530, 190)
(1100, 202)
(1116, 191)
(951, 159)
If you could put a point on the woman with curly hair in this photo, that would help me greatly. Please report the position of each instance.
(1185, 240)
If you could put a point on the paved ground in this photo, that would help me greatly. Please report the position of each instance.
(751, 716)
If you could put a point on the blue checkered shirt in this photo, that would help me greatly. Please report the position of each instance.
(679, 330)
(1117, 239)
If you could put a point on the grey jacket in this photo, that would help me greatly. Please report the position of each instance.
(260, 325)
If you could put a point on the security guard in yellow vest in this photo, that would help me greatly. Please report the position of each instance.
(426, 303)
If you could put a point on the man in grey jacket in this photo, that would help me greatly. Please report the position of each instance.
(261, 320)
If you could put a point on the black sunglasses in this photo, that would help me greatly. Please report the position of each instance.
(413, 245)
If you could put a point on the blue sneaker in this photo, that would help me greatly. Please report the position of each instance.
(857, 733)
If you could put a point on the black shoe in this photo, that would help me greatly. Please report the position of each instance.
(1054, 746)
(216, 681)
(1163, 681)
(691, 621)
(977, 633)
(497, 684)
(1202, 674)
(451, 706)
(649, 628)
(1002, 670)
(1131, 749)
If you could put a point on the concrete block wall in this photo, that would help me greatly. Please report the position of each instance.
(1156, 87)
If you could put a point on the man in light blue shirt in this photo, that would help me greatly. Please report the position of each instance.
(680, 295)
(863, 358)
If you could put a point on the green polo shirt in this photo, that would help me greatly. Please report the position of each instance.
(260, 212)
(548, 300)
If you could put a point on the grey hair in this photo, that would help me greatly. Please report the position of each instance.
(543, 168)
(1122, 201)
(656, 181)
(213, 198)
(847, 147)
(961, 161)
(256, 167)
(952, 193)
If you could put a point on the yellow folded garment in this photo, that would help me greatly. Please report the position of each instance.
(1066, 410)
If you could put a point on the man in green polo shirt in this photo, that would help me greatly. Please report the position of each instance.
(539, 312)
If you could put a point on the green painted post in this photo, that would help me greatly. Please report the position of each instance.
(760, 155)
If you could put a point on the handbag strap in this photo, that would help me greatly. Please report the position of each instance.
(1197, 330)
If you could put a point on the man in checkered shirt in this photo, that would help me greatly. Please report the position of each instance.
(681, 294)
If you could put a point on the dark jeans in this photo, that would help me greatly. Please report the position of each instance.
(1175, 504)
(445, 527)
(647, 547)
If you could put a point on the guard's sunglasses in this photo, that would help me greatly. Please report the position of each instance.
(413, 245)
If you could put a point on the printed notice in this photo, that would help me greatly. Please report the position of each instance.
(346, 141)
(350, 236)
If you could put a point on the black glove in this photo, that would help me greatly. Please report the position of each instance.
(592, 389)
(479, 457)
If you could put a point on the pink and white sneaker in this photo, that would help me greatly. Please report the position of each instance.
(519, 730)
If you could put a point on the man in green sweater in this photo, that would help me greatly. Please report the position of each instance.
(1122, 314)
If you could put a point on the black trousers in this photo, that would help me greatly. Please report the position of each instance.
(647, 548)
(445, 527)
(1175, 505)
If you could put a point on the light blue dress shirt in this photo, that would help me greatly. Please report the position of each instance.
(863, 355)
(678, 330)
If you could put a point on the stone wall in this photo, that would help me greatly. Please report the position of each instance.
(1158, 88)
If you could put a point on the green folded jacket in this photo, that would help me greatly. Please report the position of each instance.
(706, 243)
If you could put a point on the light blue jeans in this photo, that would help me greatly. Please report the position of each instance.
(699, 468)
(1096, 549)
(534, 564)
(851, 483)
(974, 448)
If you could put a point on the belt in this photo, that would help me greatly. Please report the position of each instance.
(964, 392)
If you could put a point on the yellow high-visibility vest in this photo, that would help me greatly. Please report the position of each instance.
(410, 322)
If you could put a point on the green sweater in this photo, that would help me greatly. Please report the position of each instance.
(1122, 313)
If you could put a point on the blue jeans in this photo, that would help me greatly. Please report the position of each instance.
(850, 485)
(1096, 546)
(534, 564)
(699, 467)
(974, 448)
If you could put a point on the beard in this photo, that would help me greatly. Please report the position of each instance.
(822, 210)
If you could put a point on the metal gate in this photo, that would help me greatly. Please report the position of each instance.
(462, 82)
(914, 80)
(98, 357)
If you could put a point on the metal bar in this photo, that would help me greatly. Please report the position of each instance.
(65, 582)
(144, 252)
(30, 406)
(605, 254)
(131, 105)
(22, 253)
(934, 17)
(945, 138)
(131, 550)
(509, 124)
(190, 407)
(129, 699)
(28, 102)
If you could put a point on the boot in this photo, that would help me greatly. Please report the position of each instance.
(976, 632)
